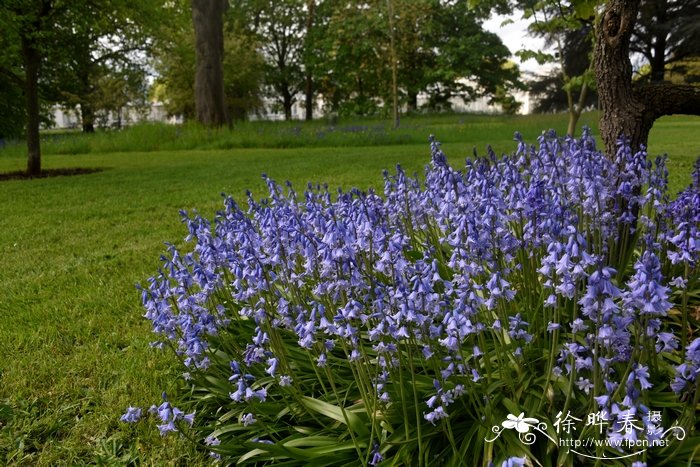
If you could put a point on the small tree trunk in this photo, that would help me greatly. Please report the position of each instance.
(208, 20)
(309, 97)
(287, 102)
(575, 111)
(32, 60)
(309, 88)
(394, 71)
(87, 115)
(412, 103)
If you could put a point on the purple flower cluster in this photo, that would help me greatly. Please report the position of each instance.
(455, 272)
(166, 413)
(687, 373)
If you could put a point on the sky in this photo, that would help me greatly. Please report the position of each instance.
(515, 37)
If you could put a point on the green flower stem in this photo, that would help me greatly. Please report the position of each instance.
(419, 419)
(684, 309)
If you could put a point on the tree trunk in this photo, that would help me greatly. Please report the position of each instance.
(412, 100)
(394, 71)
(575, 110)
(287, 102)
(208, 20)
(309, 97)
(87, 116)
(309, 88)
(32, 60)
(627, 111)
(658, 61)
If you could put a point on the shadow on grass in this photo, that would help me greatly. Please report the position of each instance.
(22, 175)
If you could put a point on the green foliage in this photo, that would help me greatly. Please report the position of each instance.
(441, 49)
(12, 109)
(175, 59)
(666, 33)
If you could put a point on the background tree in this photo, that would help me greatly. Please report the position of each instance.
(353, 69)
(12, 104)
(469, 62)
(567, 27)
(174, 63)
(28, 31)
(630, 110)
(119, 97)
(108, 43)
(208, 21)
(391, 31)
(313, 18)
(550, 91)
(280, 28)
(441, 50)
(56, 51)
(667, 32)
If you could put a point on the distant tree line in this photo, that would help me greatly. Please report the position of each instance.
(296, 50)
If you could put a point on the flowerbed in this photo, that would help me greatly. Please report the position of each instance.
(412, 328)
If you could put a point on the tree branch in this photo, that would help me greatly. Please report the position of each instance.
(667, 99)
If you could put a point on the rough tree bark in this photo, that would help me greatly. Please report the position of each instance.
(628, 110)
(208, 20)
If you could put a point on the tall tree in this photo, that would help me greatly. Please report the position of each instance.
(308, 59)
(667, 31)
(354, 69)
(394, 62)
(174, 53)
(282, 27)
(626, 109)
(27, 30)
(469, 62)
(208, 21)
(108, 42)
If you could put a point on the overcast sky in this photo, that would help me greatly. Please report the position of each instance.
(515, 37)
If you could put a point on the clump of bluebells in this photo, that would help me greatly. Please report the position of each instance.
(400, 327)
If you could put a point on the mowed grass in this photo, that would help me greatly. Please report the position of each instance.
(74, 349)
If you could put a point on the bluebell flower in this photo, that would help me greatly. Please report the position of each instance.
(248, 419)
(514, 462)
(132, 415)
(436, 415)
(687, 373)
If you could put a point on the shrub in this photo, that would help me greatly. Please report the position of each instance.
(412, 328)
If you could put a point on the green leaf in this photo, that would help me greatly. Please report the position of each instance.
(352, 420)
(541, 57)
(584, 8)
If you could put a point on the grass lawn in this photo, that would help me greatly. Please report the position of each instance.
(74, 350)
